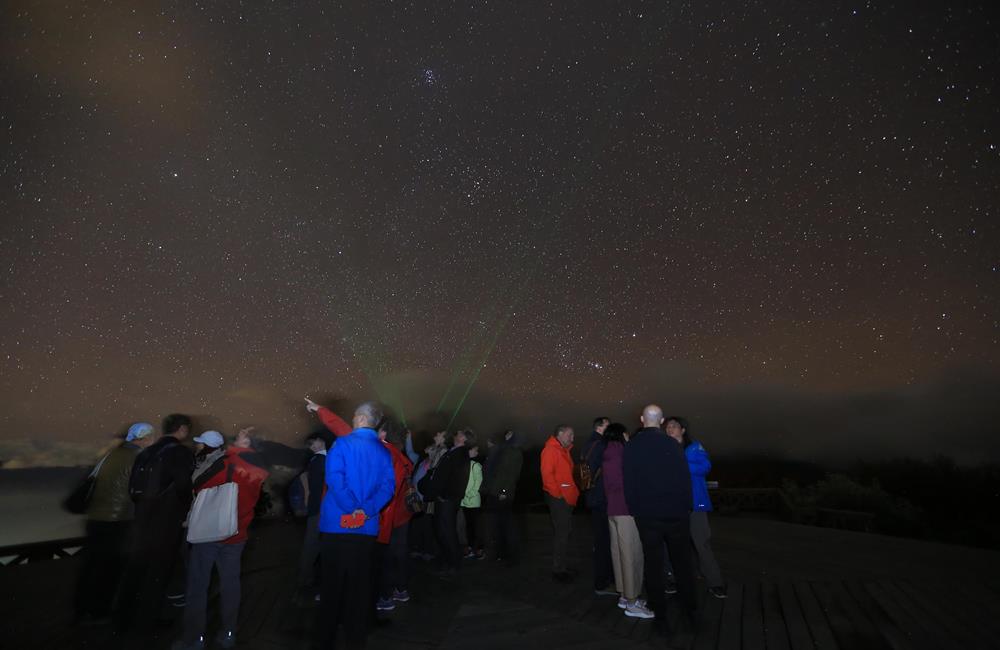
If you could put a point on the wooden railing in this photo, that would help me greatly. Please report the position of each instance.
(40, 551)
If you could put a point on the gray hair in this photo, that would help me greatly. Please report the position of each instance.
(371, 412)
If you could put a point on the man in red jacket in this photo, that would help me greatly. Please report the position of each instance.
(242, 465)
(561, 495)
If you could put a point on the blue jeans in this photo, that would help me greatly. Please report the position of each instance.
(226, 558)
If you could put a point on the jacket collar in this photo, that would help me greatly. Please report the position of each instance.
(365, 432)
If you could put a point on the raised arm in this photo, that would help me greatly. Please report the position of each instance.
(330, 420)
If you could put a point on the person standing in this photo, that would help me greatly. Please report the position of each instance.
(597, 503)
(561, 495)
(500, 477)
(394, 523)
(242, 465)
(160, 488)
(626, 547)
(701, 535)
(314, 479)
(471, 503)
(421, 533)
(658, 494)
(360, 482)
(109, 521)
(446, 486)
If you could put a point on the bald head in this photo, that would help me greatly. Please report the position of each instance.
(652, 416)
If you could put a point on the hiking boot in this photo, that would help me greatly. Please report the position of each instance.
(671, 587)
(385, 604)
(401, 595)
(718, 592)
(638, 609)
(176, 600)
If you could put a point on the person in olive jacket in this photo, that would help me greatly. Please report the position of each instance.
(109, 521)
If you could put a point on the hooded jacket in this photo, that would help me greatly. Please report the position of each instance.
(248, 474)
(395, 513)
(359, 476)
(557, 472)
(699, 466)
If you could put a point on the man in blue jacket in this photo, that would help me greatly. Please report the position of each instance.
(359, 481)
(658, 494)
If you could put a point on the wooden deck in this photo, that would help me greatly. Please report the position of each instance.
(790, 587)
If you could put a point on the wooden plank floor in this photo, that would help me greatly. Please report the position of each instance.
(857, 596)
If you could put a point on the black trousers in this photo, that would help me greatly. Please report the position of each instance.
(394, 562)
(446, 529)
(654, 532)
(421, 534)
(156, 535)
(347, 589)
(604, 573)
(104, 557)
(562, 524)
(472, 536)
(501, 527)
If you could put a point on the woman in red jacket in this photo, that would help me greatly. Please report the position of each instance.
(242, 465)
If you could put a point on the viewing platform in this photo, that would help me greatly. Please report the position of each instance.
(791, 587)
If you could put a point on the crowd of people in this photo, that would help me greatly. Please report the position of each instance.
(373, 503)
(648, 502)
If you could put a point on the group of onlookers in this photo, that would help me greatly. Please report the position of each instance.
(648, 500)
(136, 518)
(372, 502)
(375, 489)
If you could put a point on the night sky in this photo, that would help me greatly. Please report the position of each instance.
(779, 218)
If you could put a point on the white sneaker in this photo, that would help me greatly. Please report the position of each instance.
(638, 609)
(622, 602)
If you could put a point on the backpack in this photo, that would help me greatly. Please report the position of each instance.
(144, 482)
(584, 477)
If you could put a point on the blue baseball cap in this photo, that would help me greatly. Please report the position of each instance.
(139, 430)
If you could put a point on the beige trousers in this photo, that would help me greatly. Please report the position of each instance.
(626, 556)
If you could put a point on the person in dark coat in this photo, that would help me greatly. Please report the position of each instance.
(160, 487)
(446, 486)
(314, 477)
(658, 493)
(500, 477)
(592, 452)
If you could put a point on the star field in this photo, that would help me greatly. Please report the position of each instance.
(556, 208)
